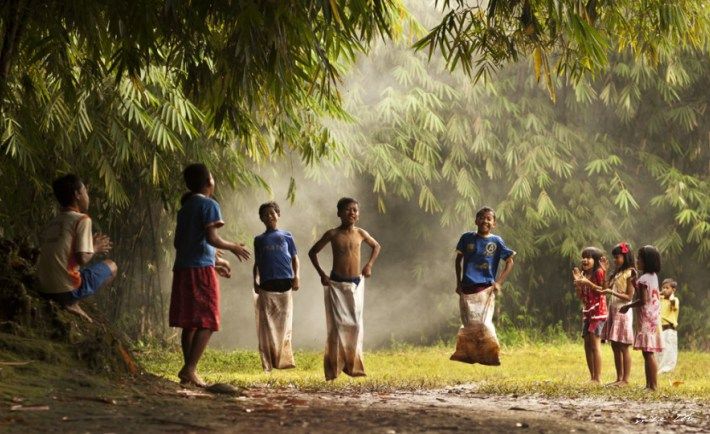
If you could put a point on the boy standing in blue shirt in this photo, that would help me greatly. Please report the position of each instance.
(276, 270)
(479, 253)
(275, 256)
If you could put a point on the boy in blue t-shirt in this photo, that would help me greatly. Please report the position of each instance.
(275, 257)
(275, 275)
(479, 253)
(195, 295)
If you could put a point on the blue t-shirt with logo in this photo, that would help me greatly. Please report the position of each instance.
(192, 248)
(481, 256)
(273, 252)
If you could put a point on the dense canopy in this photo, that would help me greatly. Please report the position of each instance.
(457, 106)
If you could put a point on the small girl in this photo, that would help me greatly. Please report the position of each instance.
(648, 337)
(594, 312)
(194, 301)
(618, 328)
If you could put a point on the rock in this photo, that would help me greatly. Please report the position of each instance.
(225, 389)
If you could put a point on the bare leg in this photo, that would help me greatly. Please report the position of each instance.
(597, 357)
(188, 374)
(77, 310)
(651, 367)
(185, 343)
(589, 354)
(618, 362)
(626, 359)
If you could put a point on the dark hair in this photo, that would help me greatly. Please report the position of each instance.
(673, 284)
(484, 210)
(651, 259)
(65, 189)
(594, 253)
(628, 258)
(197, 177)
(270, 204)
(344, 202)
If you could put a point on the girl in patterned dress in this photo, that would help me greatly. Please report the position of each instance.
(618, 328)
(594, 312)
(648, 304)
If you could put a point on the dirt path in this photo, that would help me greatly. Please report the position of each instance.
(155, 405)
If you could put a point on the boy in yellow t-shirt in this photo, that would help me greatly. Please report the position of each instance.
(670, 306)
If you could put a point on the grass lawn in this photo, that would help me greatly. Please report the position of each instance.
(547, 369)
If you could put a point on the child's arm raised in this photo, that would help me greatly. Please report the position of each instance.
(367, 238)
(313, 255)
(239, 250)
(576, 281)
(583, 281)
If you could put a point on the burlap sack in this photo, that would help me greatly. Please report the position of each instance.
(476, 341)
(274, 326)
(343, 313)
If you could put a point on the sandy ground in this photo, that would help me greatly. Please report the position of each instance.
(149, 404)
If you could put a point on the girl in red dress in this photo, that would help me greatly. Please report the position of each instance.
(594, 312)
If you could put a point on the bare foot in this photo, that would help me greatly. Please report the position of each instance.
(621, 383)
(615, 383)
(77, 310)
(188, 378)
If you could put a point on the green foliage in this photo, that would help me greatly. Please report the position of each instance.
(612, 160)
(565, 38)
(128, 95)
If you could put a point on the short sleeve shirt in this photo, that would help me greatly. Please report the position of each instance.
(62, 238)
(273, 252)
(192, 249)
(481, 256)
(594, 302)
(669, 311)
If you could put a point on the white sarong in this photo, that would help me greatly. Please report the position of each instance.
(274, 325)
(343, 314)
(669, 356)
(476, 341)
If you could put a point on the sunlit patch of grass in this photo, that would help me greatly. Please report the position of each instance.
(545, 369)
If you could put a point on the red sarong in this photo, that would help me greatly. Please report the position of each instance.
(194, 302)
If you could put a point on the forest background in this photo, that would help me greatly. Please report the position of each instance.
(572, 144)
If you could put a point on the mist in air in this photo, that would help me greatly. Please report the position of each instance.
(401, 305)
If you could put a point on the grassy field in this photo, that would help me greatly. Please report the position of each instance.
(546, 369)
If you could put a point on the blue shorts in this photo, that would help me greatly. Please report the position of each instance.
(92, 278)
(597, 329)
(338, 278)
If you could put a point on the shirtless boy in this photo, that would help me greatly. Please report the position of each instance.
(344, 291)
(345, 240)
